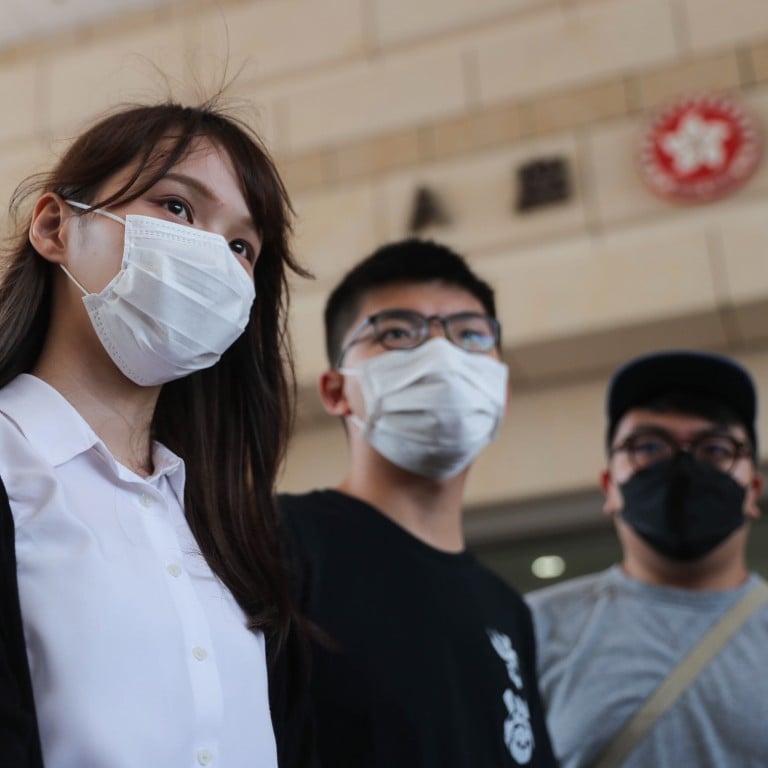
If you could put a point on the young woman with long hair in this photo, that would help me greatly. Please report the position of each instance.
(144, 411)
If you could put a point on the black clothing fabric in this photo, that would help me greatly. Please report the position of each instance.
(405, 671)
(19, 737)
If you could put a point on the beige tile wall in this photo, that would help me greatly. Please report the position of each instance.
(363, 101)
(270, 39)
(571, 45)
(375, 95)
(85, 80)
(19, 87)
(713, 23)
(479, 193)
(399, 21)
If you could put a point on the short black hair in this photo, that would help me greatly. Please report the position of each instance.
(405, 261)
(694, 383)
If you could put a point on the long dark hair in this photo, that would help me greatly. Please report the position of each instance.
(229, 423)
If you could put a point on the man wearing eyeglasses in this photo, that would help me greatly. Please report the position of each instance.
(422, 657)
(661, 661)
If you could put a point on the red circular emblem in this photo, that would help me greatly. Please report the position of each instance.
(699, 149)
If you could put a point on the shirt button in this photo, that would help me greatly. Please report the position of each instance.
(146, 500)
(199, 653)
(174, 570)
(204, 756)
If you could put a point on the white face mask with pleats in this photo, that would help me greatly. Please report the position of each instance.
(432, 409)
(179, 301)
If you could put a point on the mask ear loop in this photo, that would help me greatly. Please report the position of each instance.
(100, 211)
(74, 280)
(76, 204)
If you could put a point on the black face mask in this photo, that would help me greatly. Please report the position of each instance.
(682, 507)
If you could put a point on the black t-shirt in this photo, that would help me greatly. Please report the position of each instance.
(429, 657)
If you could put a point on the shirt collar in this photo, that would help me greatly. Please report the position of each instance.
(57, 430)
(46, 419)
(166, 462)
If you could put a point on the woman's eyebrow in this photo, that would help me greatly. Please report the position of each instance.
(203, 189)
(200, 187)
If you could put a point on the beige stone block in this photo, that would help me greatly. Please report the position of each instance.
(713, 23)
(756, 362)
(584, 352)
(757, 101)
(375, 97)
(307, 336)
(581, 287)
(29, 29)
(581, 106)
(334, 230)
(317, 458)
(140, 66)
(479, 195)
(478, 130)
(572, 44)
(20, 90)
(19, 161)
(118, 17)
(619, 191)
(307, 171)
(399, 20)
(273, 38)
(372, 156)
(744, 238)
(759, 59)
(257, 107)
(713, 73)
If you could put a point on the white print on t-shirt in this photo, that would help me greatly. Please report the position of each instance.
(518, 735)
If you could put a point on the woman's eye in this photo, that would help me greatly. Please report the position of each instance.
(178, 208)
(243, 249)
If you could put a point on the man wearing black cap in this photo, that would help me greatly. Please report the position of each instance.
(661, 661)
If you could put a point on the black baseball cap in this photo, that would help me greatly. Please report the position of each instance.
(648, 377)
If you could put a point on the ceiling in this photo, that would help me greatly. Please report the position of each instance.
(30, 19)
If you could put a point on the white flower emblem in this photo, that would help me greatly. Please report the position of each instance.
(697, 143)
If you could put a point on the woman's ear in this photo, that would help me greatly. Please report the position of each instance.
(332, 395)
(46, 230)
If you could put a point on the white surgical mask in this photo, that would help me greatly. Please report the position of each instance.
(432, 409)
(178, 302)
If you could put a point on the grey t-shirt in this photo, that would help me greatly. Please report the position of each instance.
(606, 641)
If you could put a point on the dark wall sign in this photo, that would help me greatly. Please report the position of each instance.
(542, 182)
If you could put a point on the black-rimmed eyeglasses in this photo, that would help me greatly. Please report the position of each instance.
(405, 329)
(650, 446)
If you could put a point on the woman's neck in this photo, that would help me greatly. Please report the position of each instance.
(119, 411)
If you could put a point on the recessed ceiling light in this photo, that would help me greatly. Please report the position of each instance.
(548, 566)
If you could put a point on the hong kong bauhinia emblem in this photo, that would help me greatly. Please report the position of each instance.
(699, 149)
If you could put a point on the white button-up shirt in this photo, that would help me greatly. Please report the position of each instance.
(139, 655)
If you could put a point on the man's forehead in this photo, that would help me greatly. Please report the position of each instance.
(677, 423)
(428, 298)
